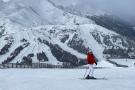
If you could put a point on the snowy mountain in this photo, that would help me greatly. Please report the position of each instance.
(29, 12)
(40, 31)
(115, 24)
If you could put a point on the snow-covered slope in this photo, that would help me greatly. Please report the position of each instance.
(66, 79)
(55, 43)
(29, 12)
(39, 31)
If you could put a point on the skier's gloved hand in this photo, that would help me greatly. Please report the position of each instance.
(96, 63)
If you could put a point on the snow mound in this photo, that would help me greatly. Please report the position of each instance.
(105, 64)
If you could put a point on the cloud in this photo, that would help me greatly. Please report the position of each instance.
(122, 8)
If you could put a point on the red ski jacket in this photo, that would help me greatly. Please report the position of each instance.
(91, 59)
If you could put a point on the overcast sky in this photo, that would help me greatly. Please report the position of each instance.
(123, 8)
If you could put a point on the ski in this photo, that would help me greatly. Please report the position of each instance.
(94, 79)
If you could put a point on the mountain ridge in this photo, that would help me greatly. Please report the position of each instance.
(68, 41)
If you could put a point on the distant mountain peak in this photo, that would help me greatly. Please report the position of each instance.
(41, 31)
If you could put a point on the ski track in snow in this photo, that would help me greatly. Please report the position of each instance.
(66, 79)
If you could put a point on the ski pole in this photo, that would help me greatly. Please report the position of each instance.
(85, 72)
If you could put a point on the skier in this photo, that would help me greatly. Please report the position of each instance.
(91, 62)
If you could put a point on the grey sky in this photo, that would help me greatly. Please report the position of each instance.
(123, 8)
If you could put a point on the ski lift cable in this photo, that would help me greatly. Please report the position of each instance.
(25, 50)
(23, 53)
(35, 39)
(33, 48)
(29, 38)
(28, 35)
(27, 47)
(62, 56)
(30, 47)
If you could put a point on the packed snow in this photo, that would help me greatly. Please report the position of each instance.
(126, 61)
(66, 79)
